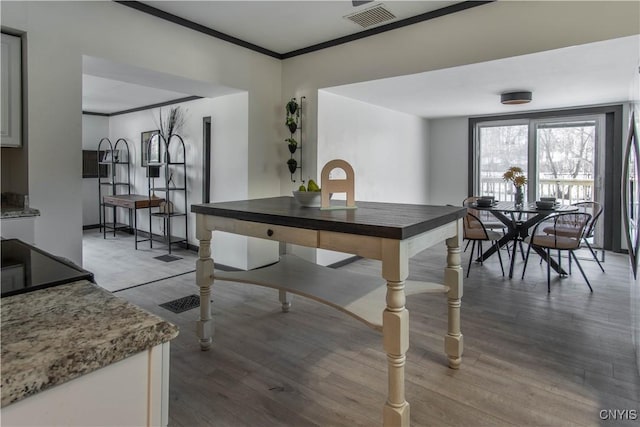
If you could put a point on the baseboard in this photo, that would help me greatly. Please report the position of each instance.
(90, 226)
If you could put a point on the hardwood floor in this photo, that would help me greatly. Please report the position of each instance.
(116, 264)
(531, 358)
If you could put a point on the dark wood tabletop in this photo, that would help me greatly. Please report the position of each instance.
(388, 220)
(526, 208)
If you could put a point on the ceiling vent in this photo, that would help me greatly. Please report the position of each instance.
(372, 16)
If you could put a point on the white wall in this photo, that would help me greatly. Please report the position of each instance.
(448, 168)
(389, 151)
(60, 33)
(94, 128)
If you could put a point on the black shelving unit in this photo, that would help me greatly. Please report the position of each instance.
(173, 174)
(118, 181)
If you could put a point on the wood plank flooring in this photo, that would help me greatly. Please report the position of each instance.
(530, 359)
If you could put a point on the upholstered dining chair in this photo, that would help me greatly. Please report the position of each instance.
(474, 231)
(562, 232)
(488, 220)
(595, 210)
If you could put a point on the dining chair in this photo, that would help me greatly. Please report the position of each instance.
(489, 221)
(595, 210)
(561, 232)
(474, 231)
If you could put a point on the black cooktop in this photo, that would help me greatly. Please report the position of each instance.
(25, 268)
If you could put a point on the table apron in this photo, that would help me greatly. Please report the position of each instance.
(361, 245)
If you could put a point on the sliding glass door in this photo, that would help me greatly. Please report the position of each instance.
(561, 157)
(567, 155)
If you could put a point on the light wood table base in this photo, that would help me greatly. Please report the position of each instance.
(378, 303)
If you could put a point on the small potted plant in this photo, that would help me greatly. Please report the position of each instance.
(292, 143)
(293, 165)
(292, 124)
(292, 106)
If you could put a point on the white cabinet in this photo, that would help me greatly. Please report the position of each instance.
(11, 91)
(132, 392)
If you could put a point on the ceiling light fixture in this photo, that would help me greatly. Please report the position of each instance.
(513, 98)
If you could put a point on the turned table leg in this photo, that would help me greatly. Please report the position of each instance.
(204, 280)
(395, 330)
(453, 344)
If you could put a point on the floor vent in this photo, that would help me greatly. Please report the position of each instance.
(182, 304)
(372, 16)
(167, 258)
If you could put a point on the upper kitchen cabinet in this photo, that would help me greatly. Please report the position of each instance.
(11, 91)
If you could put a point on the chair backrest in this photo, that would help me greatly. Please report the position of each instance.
(595, 210)
(467, 202)
(563, 230)
(473, 228)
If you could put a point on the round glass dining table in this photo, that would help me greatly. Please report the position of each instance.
(518, 221)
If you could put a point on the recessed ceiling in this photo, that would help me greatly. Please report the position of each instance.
(285, 26)
(590, 74)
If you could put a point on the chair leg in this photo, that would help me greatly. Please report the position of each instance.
(569, 264)
(594, 255)
(467, 245)
(471, 255)
(559, 261)
(548, 270)
(526, 260)
(499, 256)
(581, 271)
(480, 252)
(521, 250)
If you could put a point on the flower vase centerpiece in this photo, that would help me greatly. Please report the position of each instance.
(516, 175)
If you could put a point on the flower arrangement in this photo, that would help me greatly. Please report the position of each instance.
(516, 175)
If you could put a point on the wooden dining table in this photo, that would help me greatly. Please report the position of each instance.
(518, 221)
(388, 232)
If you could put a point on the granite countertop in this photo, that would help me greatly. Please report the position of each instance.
(18, 212)
(57, 334)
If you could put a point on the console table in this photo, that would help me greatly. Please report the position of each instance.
(389, 232)
(133, 202)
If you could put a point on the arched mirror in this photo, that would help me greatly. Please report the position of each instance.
(631, 193)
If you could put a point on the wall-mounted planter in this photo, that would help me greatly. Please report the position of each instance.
(292, 125)
(293, 165)
(292, 144)
(293, 122)
(292, 106)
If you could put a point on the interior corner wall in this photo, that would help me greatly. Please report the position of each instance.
(60, 33)
(94, 128)
(389, 151)
(448, 168)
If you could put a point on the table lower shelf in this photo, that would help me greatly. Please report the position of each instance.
(361, 296)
